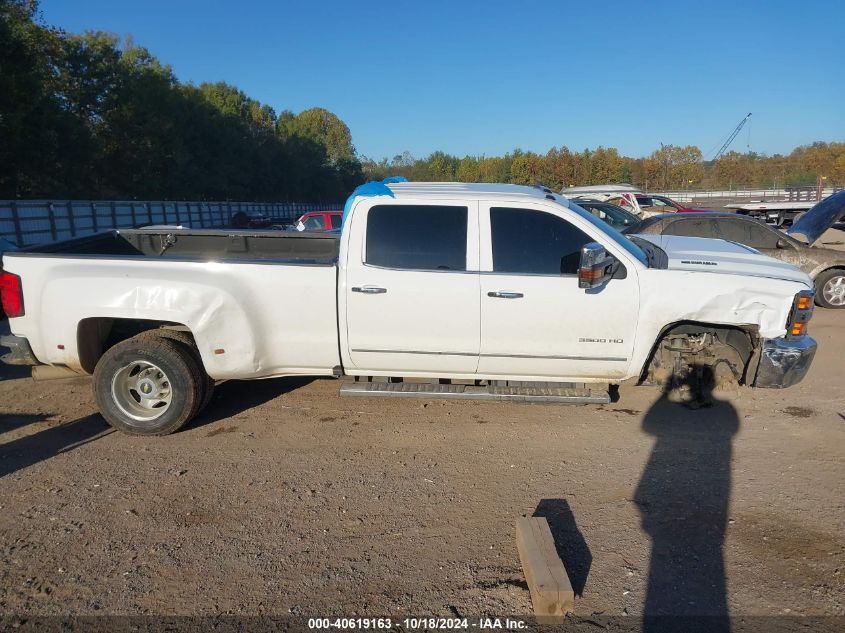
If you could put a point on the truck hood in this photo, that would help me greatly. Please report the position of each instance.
(810, 226)
(699, 254)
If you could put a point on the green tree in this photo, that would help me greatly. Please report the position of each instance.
(30, 113)
(326, 129)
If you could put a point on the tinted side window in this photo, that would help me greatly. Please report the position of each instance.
(691, 227)
(417, 237)
(335, 220)
(534, 242)
(748, 232)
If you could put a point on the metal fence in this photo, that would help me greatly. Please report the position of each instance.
(28, 222)
(781, 193)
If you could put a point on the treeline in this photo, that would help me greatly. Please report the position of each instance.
(82, 116)
(86, 116)
(668, 168)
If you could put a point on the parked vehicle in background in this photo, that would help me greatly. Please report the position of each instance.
(664, 204)
(798, 246)
(779, 213)
(318, 221)
(629, 198)
(622, 195)
(630, 202)
(436, 290)
(615, 216)
(647, 205)
(241, 220)
(599, 192)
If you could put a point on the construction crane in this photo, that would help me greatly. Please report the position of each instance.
(732, 136)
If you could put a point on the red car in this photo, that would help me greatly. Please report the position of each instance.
(319, 221)
(664, 204)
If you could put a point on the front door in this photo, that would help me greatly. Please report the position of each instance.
(535, 321)
(412, 304)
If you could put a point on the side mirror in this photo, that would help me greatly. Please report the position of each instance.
(596, 266)
(781, 243)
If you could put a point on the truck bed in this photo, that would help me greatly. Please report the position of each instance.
(199, 245)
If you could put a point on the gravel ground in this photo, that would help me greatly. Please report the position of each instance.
(284, 498)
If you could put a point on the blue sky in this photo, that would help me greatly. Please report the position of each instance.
(472, 77)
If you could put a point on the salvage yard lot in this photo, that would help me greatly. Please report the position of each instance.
(283, 497)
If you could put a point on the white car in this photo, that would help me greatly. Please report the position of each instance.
(431, 289)
(623, 195)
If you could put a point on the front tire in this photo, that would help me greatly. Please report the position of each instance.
(148, 386)
(830, 289)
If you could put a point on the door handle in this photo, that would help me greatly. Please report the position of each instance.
(505, 295)
(369, 290)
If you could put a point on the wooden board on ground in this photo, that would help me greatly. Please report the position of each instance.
(551, 591)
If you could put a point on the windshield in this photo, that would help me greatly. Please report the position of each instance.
(617, 218)
(623, 242)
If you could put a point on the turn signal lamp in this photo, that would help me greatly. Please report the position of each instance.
(802, 311)
(798, 329)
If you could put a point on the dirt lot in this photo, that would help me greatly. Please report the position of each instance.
(284, 498)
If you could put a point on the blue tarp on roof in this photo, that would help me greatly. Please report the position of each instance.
(369, 190)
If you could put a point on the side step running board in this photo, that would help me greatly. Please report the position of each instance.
(552, 395)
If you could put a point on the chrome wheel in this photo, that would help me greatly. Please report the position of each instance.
(834, 291)
(142, 391)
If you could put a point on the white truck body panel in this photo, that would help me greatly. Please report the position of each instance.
(426, 322)
(267, 319)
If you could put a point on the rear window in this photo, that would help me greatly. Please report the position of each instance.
(336, 220)
(417, 237)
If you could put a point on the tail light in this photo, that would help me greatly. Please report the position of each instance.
(799, 316)
(11, 295)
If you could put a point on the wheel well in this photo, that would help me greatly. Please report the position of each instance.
(97, 334)
(708, 343)
(828, 269)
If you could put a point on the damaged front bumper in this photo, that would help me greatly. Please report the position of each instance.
(784, 363)
(20, 353)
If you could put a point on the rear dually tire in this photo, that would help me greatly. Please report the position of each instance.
(148, 385)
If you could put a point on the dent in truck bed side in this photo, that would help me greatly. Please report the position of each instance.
(249, 320)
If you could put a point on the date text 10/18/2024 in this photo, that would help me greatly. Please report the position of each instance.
(504, 624)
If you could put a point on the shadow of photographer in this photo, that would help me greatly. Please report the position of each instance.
(683, 497)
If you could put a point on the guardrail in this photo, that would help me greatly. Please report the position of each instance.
(780, 193)
(29, 222)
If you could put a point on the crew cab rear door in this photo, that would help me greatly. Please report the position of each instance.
(535, 320)
(411, 288)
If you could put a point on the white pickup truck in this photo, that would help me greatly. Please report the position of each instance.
(431, 289)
